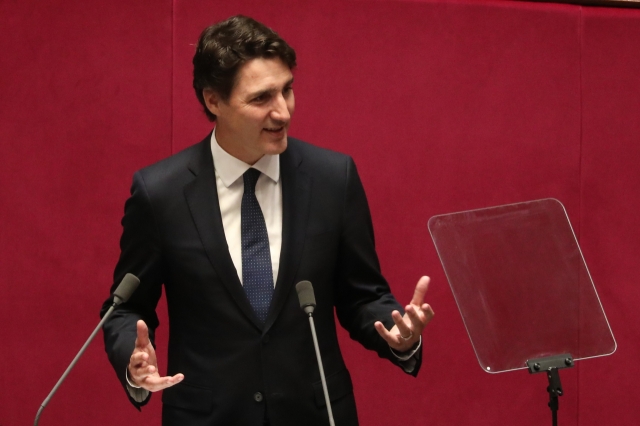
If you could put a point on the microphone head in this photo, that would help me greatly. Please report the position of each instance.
(126, 288)
(306, 297)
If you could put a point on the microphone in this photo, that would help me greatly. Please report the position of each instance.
(124, 291)
(308, 304)
(306, 297)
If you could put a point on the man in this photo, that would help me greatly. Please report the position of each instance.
(229, 226)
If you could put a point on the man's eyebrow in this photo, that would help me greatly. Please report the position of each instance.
(270, 90)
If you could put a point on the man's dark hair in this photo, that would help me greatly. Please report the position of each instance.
(224, 47)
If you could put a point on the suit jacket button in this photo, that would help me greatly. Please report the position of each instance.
(257, 397)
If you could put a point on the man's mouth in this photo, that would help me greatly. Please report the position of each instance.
(274, 129)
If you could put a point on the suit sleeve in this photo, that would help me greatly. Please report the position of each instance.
(363, 295)
(140, 255)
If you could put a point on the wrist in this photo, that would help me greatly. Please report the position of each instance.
(129, 381)
(408, 353)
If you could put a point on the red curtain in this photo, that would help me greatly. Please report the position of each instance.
(445, 106)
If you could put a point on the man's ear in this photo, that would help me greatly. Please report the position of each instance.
(211, 100)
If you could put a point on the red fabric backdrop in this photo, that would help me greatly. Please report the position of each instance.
(445, 106)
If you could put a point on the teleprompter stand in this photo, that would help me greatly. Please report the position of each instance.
(551, 365)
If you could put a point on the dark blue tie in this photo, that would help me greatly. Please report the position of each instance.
(257, 272)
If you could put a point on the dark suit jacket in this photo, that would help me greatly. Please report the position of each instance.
(234, 367)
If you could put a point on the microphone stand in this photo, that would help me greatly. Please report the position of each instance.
(324, 381)
(308, 304)
(73, 363)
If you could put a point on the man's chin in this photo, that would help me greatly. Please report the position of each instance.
(276, 145)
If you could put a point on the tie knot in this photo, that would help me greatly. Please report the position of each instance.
(250, 178)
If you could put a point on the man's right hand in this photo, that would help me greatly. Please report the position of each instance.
(143, 365)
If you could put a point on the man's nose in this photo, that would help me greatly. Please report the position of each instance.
(280, 111)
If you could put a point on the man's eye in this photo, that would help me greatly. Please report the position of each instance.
(264, 97)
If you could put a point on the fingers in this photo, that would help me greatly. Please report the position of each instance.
(407, 329)
(142, 363)
(396, 336)
(403, 328)
(419, 316)
(142, 340)
(139, 367)
(418, 312)
(145, 375)
(390, 338)
(156, 383)
(421, 289)
(416, 318)
(143, 368)
(393, 338)
(428, 312)
(140, 360)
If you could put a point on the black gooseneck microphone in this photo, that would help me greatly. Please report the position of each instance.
(126, 288)
(308, 304)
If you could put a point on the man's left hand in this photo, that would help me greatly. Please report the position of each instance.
(406, 333)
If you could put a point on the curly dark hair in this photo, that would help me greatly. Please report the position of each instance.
(224, 47)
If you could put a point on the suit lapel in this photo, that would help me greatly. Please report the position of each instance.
(296, 194)
(202, 198)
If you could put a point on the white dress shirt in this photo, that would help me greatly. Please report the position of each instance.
(230, 186)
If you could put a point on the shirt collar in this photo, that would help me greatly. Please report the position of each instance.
(230, 169)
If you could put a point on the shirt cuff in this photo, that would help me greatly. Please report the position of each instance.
(126, 376)
(404, 356)
(137, 393)
(408, 359)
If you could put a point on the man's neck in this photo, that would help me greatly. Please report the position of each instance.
(235, 150)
